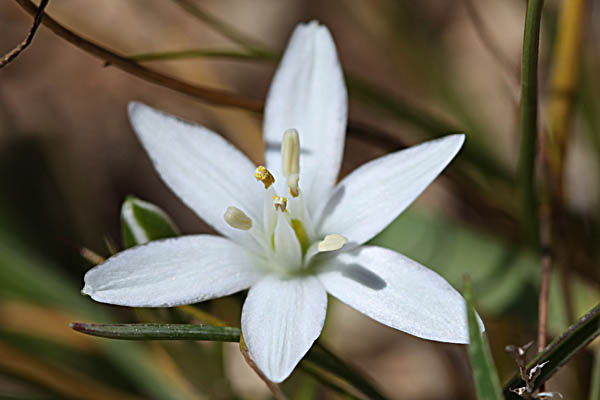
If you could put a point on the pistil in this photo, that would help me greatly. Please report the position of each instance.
(290, 160)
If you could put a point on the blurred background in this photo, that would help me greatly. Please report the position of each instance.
(416, 70)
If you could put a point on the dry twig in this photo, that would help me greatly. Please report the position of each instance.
(14, 53)
(494, 49)
(273, 387)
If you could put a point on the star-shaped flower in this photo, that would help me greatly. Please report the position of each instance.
(296, 235)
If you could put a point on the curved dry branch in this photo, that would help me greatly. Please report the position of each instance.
(207, 94)
(211, 95)
(14, 53)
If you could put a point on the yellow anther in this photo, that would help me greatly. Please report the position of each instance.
(262, 174)
(332, 243)
(280, 203)
(236, 218)
(290, 159)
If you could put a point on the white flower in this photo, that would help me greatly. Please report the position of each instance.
(298, 239)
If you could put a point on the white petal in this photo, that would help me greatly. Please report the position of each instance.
(372, 196)
(398, 292)
(171, 272)
(280, 320)
(203, 169)
(269, 213)
(288, 251)
(308, 94)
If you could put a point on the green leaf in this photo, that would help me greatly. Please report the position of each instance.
(142, 222)
(487, 383)
(561, 350)
(318, 354)
(24, 275)
(160, 331)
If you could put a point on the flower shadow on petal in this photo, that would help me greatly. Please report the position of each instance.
(360, 274)
(276, 146)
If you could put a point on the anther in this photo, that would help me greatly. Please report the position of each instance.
(280, 203)
(332, 243)
(262, 174)
(237, 219)
(290, 159)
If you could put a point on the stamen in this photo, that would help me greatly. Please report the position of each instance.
(290, 153)
(262, 174)
(237, 219)
(332, 243)
(280, 203)
(290, 159)
(293, 184)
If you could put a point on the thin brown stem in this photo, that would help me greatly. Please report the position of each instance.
(546, 265)
(273, 387)
(566, 62)
(91, 256)
(494, 49)
(225, 29)
(489, 43)
(14, 53)
(211, 95)
(384, 140)
(543, 302)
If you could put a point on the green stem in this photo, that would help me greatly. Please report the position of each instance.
(319, 355)
(196, 53)
(529, 115)
(560, 351)
(229, 31)
(159, 331)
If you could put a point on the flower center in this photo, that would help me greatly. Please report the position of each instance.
(287, 233)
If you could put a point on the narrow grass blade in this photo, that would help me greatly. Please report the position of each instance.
(160, 331)
(561, 350)
(487, 383)
(318, 355)
(529, 115)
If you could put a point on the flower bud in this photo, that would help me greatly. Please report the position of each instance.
(142, 222)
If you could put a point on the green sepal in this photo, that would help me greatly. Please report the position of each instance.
(142, 222)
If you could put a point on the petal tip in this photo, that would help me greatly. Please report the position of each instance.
(276, 378)
(312, 24)
(88, 290)
(313, 29)
(458, 139)
(133, 107)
